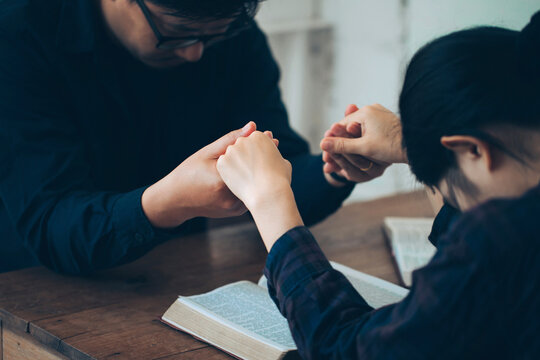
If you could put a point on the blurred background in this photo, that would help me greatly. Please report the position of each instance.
(336, 52)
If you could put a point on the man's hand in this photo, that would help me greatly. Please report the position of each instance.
(331, 166)
(363, 144)
(194, 188)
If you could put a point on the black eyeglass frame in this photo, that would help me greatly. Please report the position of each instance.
(243, 23)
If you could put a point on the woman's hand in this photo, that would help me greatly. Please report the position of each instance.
(363, 144)
(254, 170)
(257, 174)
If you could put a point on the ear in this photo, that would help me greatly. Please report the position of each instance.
(469, 148)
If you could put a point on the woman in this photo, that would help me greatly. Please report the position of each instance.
(470, 128)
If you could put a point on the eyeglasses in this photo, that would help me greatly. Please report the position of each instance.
(172, 43)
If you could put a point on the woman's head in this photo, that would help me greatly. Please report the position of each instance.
(470, 111)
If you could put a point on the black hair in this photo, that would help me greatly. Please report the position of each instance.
(464, 83)
(209, 9)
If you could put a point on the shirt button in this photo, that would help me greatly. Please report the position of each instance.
(139, 238)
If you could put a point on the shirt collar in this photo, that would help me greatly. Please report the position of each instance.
(448, 215)
(443, 221)
(77, 26)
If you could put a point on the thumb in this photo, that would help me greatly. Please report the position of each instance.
(218, 147)
(339, 145)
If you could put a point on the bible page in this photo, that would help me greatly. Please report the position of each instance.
(375, 291)
(248, 308)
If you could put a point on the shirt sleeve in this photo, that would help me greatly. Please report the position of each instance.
(256, 97)
(330, 320)
(45, 181)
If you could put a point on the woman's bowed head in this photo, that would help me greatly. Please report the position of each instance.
(470, 118)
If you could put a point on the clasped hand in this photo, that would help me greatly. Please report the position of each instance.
(362, 145)
(256, 173)
(244, 169)
(359, 147)
(195, 188)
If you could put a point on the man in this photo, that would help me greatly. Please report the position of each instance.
(104, 106)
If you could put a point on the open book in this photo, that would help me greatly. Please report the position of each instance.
(242, 320)
(408, 239)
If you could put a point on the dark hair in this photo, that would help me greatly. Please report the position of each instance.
(209, 9)
(463, 84)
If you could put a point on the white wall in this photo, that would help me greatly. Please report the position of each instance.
(302, 43)
(362, 53)
(369, 55)
(431, 18)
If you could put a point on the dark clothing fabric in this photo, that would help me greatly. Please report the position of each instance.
(85, 128)
(478, 298)
(444, 220)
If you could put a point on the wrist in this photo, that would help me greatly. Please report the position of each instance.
(265, 196)
(275, 215)
(156, 206)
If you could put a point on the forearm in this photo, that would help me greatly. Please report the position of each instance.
(88, 231)
(279, 212)
(330, 320)
(320, 304)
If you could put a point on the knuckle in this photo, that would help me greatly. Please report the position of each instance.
(369, 109)
(365, 108)
(367, 148)
(340, 146)
(259, 135)
(233, 149)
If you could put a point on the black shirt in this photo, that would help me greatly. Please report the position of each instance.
(85, 128)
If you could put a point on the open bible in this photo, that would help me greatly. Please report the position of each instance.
(408, 240)
(242, 320)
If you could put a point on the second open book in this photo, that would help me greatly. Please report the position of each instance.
(408, 240)
(242, 320)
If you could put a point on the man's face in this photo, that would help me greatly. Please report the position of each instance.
(129, 26)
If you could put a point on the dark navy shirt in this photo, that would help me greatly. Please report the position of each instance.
(85, 128)
(478, 298)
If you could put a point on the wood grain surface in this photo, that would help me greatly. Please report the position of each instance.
(115, 314)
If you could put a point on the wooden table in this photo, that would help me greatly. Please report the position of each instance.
(115, 314)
